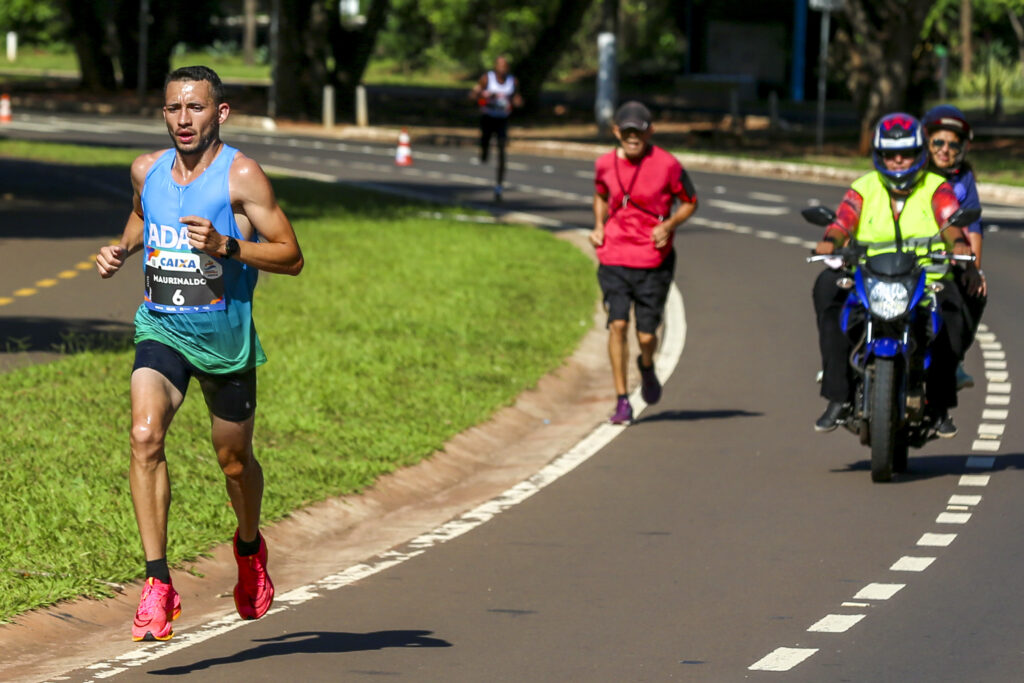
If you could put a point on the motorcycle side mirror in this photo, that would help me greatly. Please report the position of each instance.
(819, 215)
(964, 217)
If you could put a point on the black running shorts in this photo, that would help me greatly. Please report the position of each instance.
(646, 289)
(230, 397)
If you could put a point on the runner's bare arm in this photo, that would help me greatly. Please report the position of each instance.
(664, 230)
(600, 216)
(111, 257)
(256, 213)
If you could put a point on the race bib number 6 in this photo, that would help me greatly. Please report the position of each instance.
(183, 281)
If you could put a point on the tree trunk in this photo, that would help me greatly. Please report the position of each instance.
(249, 34)
(352, 48)
(966, 46)
(556, 35)
(301, 70)
(882, 45)
(1018, 30)
(164, 28)
(85, 31)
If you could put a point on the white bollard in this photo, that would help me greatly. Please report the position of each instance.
(362, 118)
(12, 46)
(328, 111)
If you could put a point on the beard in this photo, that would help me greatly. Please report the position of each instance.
(200, 144)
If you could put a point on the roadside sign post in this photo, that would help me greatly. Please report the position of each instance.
(826, 7)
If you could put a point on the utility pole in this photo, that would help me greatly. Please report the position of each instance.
(607, 70)
(826, 7)
(249, 33)
(143, 50)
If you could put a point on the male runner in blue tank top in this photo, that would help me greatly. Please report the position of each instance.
(206, 219)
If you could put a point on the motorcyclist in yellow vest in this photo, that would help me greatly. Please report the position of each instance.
(899, 190)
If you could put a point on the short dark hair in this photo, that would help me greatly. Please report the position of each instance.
(198, 73)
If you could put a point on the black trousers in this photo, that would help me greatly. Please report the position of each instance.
(835, 346)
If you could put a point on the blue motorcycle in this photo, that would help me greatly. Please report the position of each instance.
(896, 311)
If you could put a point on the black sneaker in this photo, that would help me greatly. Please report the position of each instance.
(650, 387)
(946, 428)
(835, 414)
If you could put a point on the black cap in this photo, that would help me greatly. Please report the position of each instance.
(633, 114)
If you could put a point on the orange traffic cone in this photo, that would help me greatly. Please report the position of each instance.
(5, 108)
(403, 155)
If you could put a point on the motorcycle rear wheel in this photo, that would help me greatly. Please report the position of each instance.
(885, 439)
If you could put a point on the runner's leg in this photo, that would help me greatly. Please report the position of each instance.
(154, 402)
(618, 353)
(243, 475)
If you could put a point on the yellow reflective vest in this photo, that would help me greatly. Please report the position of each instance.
(877, 225)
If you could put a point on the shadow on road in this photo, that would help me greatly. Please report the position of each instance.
(63, 335)
(694, 415)
(924, 467)
(314, 642)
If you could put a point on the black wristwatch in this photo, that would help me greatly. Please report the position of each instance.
(231, 247)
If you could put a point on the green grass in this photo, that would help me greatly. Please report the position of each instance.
(400, 332)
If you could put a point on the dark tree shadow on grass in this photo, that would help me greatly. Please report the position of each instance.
(313, 642)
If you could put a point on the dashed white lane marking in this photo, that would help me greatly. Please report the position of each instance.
(994, 414)
(739, 207)
(836, 623)
(996, 375)
(936, 540)
(766, 197)
(879, 591)
(991, 428)
(999, 387)
(953, 518)
(962, 499)
(993, 355)
(912, 564)
(995, 365)
(994, 400)
(979, 463)
(782, 659)
(974, 479)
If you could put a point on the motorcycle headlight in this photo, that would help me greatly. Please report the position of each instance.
(888, 299)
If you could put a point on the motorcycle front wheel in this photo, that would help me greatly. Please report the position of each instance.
(885, 420)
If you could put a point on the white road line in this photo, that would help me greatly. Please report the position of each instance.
(766, 197)
(995, 365)
(738, 207)
(974, 479)
(991, 346)
(953, 518)
(912, 564)
(993, 400)
(997, 375)
(879, 591)
(985, 445)
(936, 540)
(850, 603)
(985, 337)
(999, 387)
(991, 428)
(994, 355)
(994, 414)
(766, 234)
(960, 499)
(836, 623)
(782, 659)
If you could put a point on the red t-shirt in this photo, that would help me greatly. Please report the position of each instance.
(652, 183)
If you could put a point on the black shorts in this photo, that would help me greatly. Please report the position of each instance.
(230, 397)
(644, 288)
(494, 125)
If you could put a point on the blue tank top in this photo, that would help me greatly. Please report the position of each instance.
(195, 303)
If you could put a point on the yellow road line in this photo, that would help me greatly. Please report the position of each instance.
(27, 291)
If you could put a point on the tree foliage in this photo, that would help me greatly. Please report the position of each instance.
(37, 22)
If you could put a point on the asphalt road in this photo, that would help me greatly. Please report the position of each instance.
(718, 539)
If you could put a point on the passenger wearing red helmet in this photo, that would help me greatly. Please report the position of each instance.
(949, 137)
(901, 191)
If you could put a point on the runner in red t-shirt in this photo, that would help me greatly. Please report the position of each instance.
(635, 188)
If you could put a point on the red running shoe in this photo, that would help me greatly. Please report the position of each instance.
(254, 592)
(158, 607)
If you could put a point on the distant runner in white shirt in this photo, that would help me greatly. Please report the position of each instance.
(497, 94)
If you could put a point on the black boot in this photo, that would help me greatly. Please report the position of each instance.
(835, 414)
